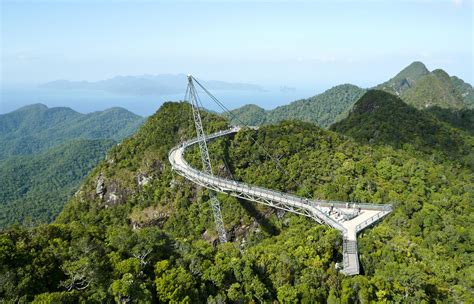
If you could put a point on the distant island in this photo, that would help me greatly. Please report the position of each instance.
(285, 89)
(163, 84)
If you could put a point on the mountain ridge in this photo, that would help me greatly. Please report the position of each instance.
(422, 88)
(433, 89)
(379, 117)
(322, 109)
(33, 128)
(415, 84)
(405, 79)
(36, 139)
(135, 230)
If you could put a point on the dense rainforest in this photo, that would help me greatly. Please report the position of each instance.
(45, 154)
(380, 118)
(36, 130)
(419, 87)
(35, 187)
(136, 232)
(36, 127)
(323, 109)
(415, 85)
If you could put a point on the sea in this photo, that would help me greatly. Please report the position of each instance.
(86, 101)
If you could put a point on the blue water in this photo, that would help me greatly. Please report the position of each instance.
(86, 101)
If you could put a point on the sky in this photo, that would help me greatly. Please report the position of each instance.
(294, 43)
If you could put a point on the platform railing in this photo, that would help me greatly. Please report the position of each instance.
(372, 220)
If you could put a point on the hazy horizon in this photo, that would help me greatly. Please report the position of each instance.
(85, 101)
(302, 44)
(310, 46)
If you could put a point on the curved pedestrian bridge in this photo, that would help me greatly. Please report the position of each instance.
(349, 218)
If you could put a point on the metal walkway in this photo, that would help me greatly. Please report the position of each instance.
(349, 218)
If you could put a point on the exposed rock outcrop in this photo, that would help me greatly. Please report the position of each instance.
(100, 187)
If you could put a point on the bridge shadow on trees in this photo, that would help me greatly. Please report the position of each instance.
(253, 212)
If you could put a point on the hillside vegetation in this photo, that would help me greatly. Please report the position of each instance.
(465, 90)
(36, 127)
(137, 232)
(384, 119)
(415, 85)
(323, 109)
(405, 79)
(419, 87)
(45, 154)
(35, 188)
(434, 89)
(251, 115)
(462, 119)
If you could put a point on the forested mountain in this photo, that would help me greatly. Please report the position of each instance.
(419, 87)
(382, 118)
(415, 85)
(137, 232)
(33, 128)
(462, 119)
(323, 109)
(36, 187)
(405, 79)
(45, 154)
(434, 89)
(465, 90)
(251, 115)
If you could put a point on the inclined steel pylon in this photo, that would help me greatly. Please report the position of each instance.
(206, 162)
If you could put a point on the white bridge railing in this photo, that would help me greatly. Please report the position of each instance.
(373, 219)
(226, 186)
(278, 199)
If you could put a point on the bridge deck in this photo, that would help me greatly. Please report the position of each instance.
(349, 218)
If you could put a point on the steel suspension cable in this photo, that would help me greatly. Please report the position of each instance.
(235, 117)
